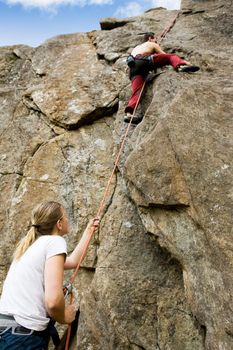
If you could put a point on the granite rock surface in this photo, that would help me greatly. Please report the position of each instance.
(158, 274)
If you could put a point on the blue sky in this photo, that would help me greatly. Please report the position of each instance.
(31, 22)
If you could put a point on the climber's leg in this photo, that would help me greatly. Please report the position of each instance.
(137, 84)
(173, 60)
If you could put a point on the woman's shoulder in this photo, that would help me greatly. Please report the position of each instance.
(53, 244)
(51, 239)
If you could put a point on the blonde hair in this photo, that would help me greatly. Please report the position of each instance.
(43, 219)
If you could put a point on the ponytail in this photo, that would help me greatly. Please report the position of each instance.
(24, 243)
(44, 218)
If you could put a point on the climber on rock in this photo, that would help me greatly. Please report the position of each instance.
(145, 58)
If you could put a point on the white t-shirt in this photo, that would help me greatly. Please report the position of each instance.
(23, 289)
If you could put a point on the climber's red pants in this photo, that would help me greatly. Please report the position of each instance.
(137, 83)
(138, 77)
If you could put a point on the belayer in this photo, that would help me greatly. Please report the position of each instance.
(32, 297)
(145, 58)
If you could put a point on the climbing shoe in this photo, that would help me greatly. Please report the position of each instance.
(187, 69)
(135, 120)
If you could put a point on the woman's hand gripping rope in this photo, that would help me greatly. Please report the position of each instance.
(91, 229)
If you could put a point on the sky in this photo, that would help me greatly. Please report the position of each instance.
(31, 22)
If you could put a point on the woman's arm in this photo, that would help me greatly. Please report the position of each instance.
(54, 298)
(73, 259)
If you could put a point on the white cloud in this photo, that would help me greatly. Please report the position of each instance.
(100, 2)
(52, 4)
(131, 9)
(136, 8)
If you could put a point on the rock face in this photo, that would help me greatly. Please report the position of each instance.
(158, 275)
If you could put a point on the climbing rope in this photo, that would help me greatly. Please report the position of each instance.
(107, 188)
(168, 28)
(101, 208)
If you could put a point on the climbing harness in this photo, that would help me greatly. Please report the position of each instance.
(8, 323)
(131, 60)
(68, 288)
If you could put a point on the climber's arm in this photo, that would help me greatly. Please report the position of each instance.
(157, 48)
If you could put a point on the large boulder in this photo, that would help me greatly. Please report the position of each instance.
(158, 274)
